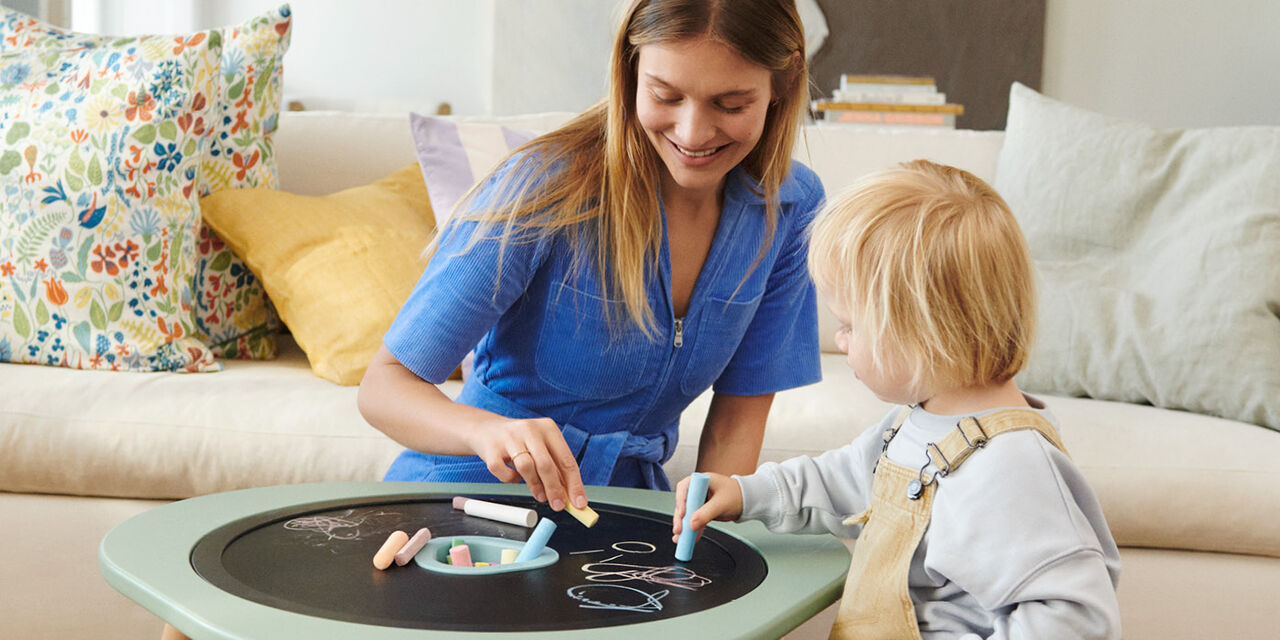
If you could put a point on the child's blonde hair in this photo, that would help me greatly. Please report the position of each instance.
(931, 266)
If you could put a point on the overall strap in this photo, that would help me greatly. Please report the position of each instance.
(862, 516)
(972, 433)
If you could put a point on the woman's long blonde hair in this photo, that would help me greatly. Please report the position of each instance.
(602, 173)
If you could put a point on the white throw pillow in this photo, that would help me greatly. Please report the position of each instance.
(1158, 258)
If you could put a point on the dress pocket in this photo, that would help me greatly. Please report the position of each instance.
(580, 354)
(720, 331)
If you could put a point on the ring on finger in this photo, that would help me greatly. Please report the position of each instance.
(521, 453)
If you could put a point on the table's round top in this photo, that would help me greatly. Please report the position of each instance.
(150, 559)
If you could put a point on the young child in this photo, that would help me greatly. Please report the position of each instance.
(971, 520)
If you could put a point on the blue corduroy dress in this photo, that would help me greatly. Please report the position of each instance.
(544, 347)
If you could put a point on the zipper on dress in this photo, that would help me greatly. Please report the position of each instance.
(679, 341)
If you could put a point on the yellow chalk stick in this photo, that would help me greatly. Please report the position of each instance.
(382, 559)
(482, 564)
(586, 516)
(509, 555)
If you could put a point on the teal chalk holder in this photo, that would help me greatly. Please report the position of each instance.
(434, 556)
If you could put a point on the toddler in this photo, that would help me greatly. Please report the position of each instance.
(971, 520)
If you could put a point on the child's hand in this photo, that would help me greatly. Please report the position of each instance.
(724, 502)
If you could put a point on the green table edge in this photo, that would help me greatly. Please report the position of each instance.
(136, 558)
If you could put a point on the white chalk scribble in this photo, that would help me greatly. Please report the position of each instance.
(669, 576)
(617, 598)
(643, 547)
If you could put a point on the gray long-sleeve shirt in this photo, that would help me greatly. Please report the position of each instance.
(1017, 546)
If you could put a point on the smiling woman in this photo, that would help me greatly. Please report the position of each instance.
(610, 271)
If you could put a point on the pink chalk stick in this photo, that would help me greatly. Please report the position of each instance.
(459, 502)
(461, 556)
(413, 546)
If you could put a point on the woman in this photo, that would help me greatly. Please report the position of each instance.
(611, 271)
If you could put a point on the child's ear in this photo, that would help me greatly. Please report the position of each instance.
(842, 338)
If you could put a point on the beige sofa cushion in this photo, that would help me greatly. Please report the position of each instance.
(1177, 480)
(163, 435)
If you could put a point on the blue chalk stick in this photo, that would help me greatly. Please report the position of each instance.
(693, 502)
(537, 540)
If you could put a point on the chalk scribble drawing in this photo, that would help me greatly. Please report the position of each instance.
(604, 593)
(617, 597)
(331, 527)
(608, 570)
(634, 546)
(352, 524)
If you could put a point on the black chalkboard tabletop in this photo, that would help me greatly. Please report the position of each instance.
(295, 561)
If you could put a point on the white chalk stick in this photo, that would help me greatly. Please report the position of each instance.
(518, 516)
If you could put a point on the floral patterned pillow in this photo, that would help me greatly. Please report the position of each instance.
(232, 313)
(230, 310)
(100, 160)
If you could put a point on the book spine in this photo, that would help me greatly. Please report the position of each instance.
(889, 88)
(892, 119)
(827, 105)
(854, 78)
(889, 97)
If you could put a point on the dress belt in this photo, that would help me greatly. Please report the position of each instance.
(597, 453)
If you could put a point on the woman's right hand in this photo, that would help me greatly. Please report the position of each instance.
(532, 450)
(416, 414)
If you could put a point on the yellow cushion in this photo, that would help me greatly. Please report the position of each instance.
(337, 267)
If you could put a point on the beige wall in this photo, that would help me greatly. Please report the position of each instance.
(1172, 63)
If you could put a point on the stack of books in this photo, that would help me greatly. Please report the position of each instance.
(888, 101)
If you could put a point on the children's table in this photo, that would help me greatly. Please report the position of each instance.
(295, 561)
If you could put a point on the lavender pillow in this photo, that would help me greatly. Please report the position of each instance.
(455, 153)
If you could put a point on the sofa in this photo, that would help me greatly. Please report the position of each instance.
(1189, 496)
